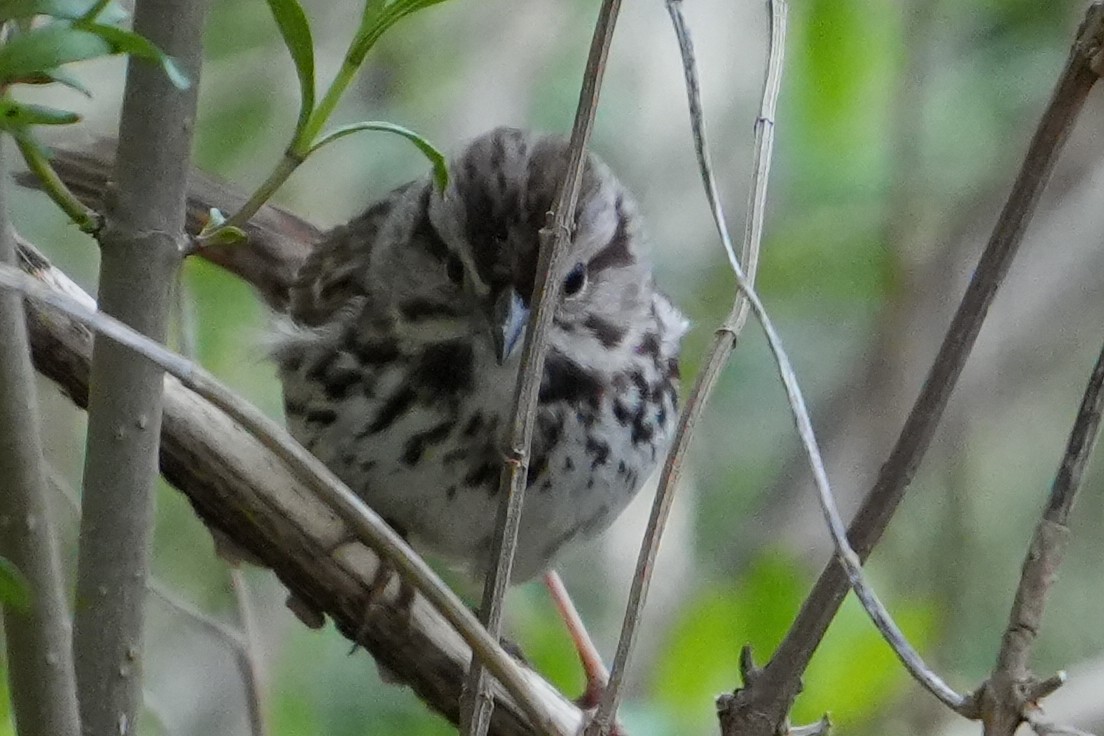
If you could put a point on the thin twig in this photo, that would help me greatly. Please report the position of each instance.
(697, 128)
(248, 654)
(724, 340)
(1043, 726)
(238, 642)
(363, 522)
(1010, 695)
(554, 238)
(216, 628)
(766, 702)
(202, 620)
(881, 618)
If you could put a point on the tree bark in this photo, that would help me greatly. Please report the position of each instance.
(141, 249)
(40, 664)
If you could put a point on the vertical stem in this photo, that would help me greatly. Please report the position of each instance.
(141, 247)
(40, 664)
(477, 704)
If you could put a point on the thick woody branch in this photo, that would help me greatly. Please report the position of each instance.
(38, 637)
(759, 708)
(242, 487)
(141, 249)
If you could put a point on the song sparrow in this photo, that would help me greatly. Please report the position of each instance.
(399, 354)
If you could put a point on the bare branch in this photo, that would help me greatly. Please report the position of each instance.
(1011, 694)
(248, 654)
(276, 244)
(767, 702)
(238, 642)
(724, 341)
(39, 647)
(554, 239)
(279, 502)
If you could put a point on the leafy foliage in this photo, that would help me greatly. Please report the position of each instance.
(42, 37)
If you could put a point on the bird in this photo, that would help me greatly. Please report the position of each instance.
(398, 353)
(400, 350)
(396, 337)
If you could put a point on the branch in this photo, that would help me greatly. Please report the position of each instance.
(140, 252)
(554, 238)
(39, 648)
(756, 708)
(247, 478)
(249, 652)
(238, 642)
(724, 341)
(1011, 694)
(276, 241)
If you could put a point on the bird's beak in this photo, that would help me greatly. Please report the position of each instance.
(509, 315)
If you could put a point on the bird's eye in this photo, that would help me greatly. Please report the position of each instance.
(454, 269)
(575, 280)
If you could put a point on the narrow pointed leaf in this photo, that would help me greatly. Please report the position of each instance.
(123, 41)
(60, 76)
(61, 9)
(44, 48)
(376, 23)
(440, 170)
(15, 115)
(296, 32)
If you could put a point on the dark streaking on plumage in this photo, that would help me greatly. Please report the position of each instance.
(399, 353)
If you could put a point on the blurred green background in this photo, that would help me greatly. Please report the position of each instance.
(899, 129)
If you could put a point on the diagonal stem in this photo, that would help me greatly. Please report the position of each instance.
(724, 341)
(780, 682)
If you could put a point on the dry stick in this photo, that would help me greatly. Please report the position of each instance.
(885, 624)
(208, 623)
(554, 238)
(1010, 694)
(362, 520)
(37, 634)
(724, 340)
(241, 486)
(247, 655)
(140, 247)
(764, 703)
(763, 124)
(228, 636)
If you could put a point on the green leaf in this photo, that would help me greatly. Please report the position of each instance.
(62, 77)
(15, 591)
(66, 9)
(216, 232)
(440, 169)
(123, 41)
(296, 33)
(44, 48)
(15, 115)
(62, 9)
(376, 22)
